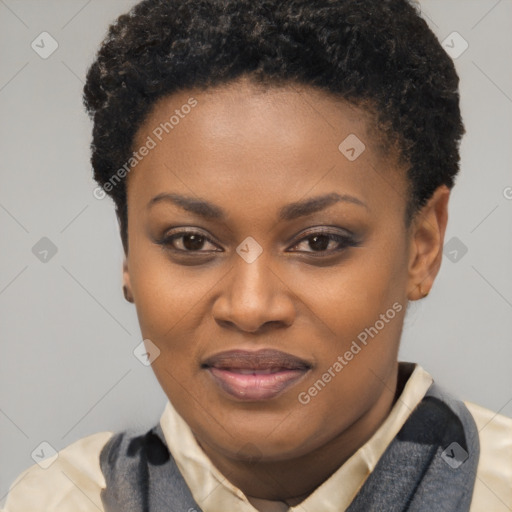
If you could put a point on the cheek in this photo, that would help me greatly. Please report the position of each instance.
(166, 295)
(345, 300)
(173, 304)
(358, 315)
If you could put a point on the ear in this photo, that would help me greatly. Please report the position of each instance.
(127, 287)
(427, 239)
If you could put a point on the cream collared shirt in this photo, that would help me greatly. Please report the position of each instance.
(72, 483)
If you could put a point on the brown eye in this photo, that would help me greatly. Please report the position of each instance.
(193, 242)
(188, 241)
(319, 242)
(325, 242)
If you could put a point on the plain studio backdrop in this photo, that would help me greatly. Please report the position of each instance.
(67, 367)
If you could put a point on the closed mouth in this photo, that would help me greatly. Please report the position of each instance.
(255, 376)
(261, 361)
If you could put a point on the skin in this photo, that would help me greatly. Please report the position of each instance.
(250, 152)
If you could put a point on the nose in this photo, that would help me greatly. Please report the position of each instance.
(254, 297)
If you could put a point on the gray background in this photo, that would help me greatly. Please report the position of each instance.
(67, 369)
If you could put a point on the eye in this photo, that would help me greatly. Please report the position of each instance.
(322, 241)
(187, 241)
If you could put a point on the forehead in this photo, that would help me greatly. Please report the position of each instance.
(273, 143)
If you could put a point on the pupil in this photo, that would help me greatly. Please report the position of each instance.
(319, 242)
(193, 242)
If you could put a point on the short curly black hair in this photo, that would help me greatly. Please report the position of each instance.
(378, 53)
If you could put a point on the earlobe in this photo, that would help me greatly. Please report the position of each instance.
(427, 240)
(127, 289)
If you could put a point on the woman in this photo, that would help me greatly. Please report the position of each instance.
(281, 173)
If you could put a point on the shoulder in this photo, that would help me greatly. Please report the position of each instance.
(70, 480)
(493, 485)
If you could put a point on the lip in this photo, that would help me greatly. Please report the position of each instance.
(255, 375)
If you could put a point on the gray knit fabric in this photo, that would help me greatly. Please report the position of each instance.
(414, 474)
(141, 475)
(430, 466)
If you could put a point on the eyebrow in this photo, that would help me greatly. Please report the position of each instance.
(291, 211)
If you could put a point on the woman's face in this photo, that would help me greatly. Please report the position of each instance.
(258, 222)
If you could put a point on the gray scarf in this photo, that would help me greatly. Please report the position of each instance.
(429, 466)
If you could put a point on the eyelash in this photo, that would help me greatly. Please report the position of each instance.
(344, 241)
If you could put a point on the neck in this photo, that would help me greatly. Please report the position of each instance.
(294, 480)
